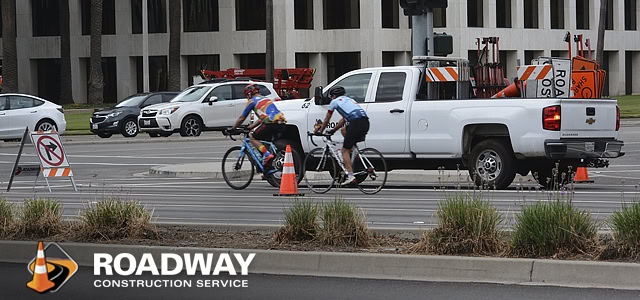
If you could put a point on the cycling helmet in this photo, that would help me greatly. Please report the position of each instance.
(251, 90)
(337, 91)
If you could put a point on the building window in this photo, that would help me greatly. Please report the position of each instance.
(200, 15)
(388, 59)
(503, 13)
(439, 17)
(341, 14)
(157, 16)
(474, 13)
(48, 89)
(197, 63)
(46, 18)
(303, 14)
(582, 14)
(157, 73)
(557, 14)
(630, 15)
(610, 20)
(530, 13)
(108, 17)
(251, 15)
(252, 61)
(390, 14)
(339, 63)
(302, 61)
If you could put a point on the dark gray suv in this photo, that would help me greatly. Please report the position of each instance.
(123, 117)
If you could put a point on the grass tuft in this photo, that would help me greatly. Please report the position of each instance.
(554, 228)
(300, 222)
(626, 229)
(114, 218)
(7, 217)
(41, 217)
(343, 224)
(467, 224)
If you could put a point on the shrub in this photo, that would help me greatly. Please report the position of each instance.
(116, 219)
(343, 224)
(300, 222)
(466, 224)
(626, 229)
(41, 217)
(554, 228)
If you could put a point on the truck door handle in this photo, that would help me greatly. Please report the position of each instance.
(396, 110)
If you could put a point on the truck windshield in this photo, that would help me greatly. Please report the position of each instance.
(191, 94)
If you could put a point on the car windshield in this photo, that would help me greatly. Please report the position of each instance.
(191, 94)
(131, 101)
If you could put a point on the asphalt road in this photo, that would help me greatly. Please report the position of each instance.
(13, 278)
(112, 168)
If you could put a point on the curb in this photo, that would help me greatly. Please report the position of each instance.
(380, 266)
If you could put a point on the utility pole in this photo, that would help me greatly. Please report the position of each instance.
(269, 46)
(602, 26)
(423, 27)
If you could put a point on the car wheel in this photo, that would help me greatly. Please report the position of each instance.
(46, 125)
(191, 126)
(492, 164)
(129, 128)
(104, 135)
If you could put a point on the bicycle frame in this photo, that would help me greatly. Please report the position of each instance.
(332, 148)
(255, 160)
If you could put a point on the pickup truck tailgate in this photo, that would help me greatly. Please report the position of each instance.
(588, 118)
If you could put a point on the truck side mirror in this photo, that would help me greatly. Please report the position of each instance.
(320, 99)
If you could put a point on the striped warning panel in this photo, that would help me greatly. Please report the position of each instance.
(442, 74)
(535, 72)
(57, 172)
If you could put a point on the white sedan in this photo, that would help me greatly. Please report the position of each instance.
(18, 111)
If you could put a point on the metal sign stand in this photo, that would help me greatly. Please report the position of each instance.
(47, 166)
(15, 166)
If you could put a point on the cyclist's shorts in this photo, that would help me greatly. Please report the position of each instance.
(267, 131)
(356, 132)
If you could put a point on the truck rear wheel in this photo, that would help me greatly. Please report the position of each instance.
(492, 164)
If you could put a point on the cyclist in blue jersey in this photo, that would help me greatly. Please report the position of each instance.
(269, 120)
(357, 125)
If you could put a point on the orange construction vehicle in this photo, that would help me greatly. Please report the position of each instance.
(287, 82)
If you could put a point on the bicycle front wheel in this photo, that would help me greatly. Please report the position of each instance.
(321, 171)
(370, 170)
(237, 169)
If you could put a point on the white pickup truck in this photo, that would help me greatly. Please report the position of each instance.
(492, 138)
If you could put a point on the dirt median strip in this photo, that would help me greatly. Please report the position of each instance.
(380, 266)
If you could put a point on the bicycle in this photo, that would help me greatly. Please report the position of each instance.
(370, 168)
(239, 163)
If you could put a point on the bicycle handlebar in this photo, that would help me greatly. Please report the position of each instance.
(312, 134)
(235, 131)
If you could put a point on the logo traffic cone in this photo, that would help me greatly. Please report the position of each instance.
(582, 176)
(513, 90)
(40, 282)
(288, 182)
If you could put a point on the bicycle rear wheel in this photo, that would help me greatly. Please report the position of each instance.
(372, 174)
(237, 169)
(321, 171)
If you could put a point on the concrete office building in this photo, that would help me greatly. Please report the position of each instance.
(332, 36)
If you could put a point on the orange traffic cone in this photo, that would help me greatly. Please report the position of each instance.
(513, 90)
(288, 182)
(582, 176)
(40, 282)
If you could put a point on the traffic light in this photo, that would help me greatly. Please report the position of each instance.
(419, 7)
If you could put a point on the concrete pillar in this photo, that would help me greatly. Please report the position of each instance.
(125, 64)
(78, 81)
(370, 20)
(618, 15)
(145, 46)
(318, 15)
(318, 61)
(283, 24)
(635, 71)
(570, 21)
(544, 14)
(616, 73)
(184, 72)
(489, 14)
(518, 15)
(227, 26)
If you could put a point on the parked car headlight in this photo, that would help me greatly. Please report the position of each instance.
(168, 111)
(114, 114)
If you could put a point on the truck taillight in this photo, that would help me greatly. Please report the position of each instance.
(617, 118)
(551, 118)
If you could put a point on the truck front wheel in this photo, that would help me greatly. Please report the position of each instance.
(492, 164)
